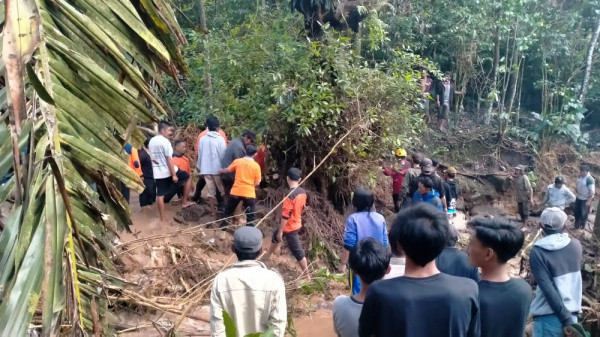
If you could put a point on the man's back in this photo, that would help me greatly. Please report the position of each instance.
(513, 298)
(160, 148)
(439, 305)
(556, 267)
(453, 261)
(252, 295)
(211, 149)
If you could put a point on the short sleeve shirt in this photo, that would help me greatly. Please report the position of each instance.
(346, 311)
(160, 148)
(247, 172)
(182, 162)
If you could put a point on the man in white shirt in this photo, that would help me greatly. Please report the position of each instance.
(558, 195)
(211, 149)
(252, 295)
(167, 176)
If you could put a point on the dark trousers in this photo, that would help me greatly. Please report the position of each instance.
(125, 191)
(249, 207)
(581, 213)
(227, 184)
(148, 197)
(199, 187)
(524, 209)
(397, 202)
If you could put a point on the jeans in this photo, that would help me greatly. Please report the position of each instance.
(581, 213)
(548, 326)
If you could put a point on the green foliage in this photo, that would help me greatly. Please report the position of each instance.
(231, 329)
(267, 77)
(320, 280)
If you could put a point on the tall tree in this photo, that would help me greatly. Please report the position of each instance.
(588, 61)
(77, 71)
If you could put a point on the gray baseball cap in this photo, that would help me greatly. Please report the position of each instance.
(553, 218)
(426, 166)
(247, 239)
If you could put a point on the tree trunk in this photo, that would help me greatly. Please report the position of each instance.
(207, 76)
(597, 222)
(488, 115)
(588, 62)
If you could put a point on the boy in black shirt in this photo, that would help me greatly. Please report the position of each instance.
(423, 302)
(503, 301)
(452, 191)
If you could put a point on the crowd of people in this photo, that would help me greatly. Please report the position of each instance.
(409, 280)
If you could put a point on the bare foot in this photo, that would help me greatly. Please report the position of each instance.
(187, 204)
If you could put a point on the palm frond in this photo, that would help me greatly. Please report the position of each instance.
(78, 76)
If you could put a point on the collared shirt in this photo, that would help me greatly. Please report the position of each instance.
(558, 197)
(586, 187)
(254, 297)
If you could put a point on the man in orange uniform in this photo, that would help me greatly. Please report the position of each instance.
(134, 164)
(183, 163)
(247, 178)
(291, 221)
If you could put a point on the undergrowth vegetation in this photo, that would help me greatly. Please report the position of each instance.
(266, 76)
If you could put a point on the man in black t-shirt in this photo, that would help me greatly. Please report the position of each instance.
(423, 302)
(503, 301)
(455, 262)
(148, 197)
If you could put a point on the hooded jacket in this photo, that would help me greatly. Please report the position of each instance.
(556, 267)
(211, 149)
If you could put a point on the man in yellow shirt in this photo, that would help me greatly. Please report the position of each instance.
(247, 178)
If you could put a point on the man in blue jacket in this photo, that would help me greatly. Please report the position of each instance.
(556, 267)
(427, 194)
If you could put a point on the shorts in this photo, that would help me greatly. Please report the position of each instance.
(166, 186)
(293, 241)
(213, 183)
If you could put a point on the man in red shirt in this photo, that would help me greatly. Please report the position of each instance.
(291, 221)
(397, 172)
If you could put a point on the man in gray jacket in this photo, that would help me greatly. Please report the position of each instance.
(211, 149)
(556, 267)
(558, 195)
(235, 150)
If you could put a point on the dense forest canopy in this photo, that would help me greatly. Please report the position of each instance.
(517, 58)
(263, 65)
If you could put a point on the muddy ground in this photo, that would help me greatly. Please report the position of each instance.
(165, 262)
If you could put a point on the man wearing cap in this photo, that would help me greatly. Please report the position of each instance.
(523, 192)
(558, 195)
(556, 267)
(291, 221)
(427, 170)
(235, 150)
(452, 191)
(252, 295)
(585, 190)
(397, 174)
